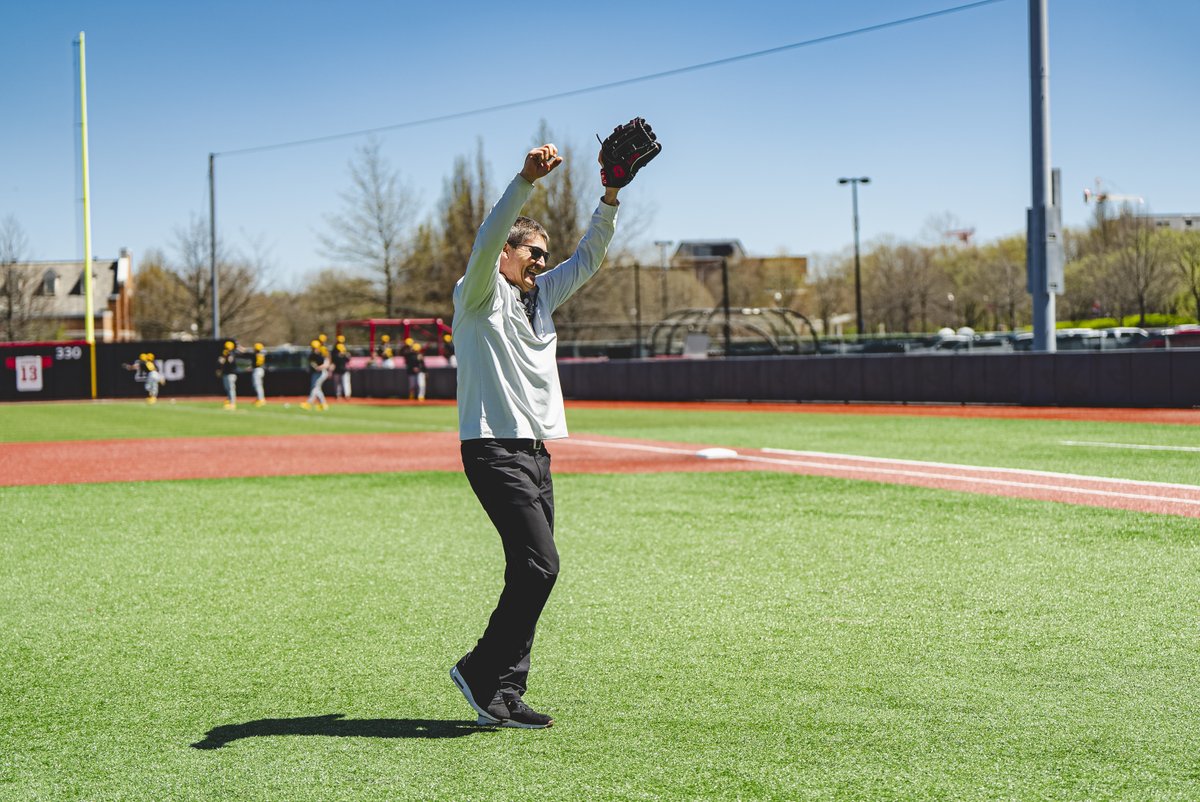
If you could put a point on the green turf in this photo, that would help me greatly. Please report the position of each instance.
(1012, 443)
(751, 636)
(1028, 444)
(103, 420)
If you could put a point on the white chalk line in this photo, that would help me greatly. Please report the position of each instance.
(1136, 446)
(984, 469)
(917, 474)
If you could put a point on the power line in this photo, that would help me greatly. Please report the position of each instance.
(613, 84)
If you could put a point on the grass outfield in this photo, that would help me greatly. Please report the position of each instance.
(103, 420)
(726, 636)
(1029, 444)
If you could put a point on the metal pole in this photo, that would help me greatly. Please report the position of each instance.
(662, 250)
(637, 305)
(89, 323)
(725, 301)
(1039, 106)
(857, 260)
(212, 246)
(854, 182)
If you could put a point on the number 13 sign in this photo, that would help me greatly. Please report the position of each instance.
(29, 374)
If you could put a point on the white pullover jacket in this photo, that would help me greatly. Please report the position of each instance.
(508, 383)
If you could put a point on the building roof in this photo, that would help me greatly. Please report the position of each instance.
(1177, 221)
(690, 249)
(61, 284)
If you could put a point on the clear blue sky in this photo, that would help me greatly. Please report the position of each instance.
(936, 113)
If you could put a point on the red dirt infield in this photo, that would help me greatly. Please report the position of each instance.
(1179, 416)
(292, 455)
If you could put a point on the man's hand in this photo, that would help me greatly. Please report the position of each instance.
(539, 162)
(610, 193)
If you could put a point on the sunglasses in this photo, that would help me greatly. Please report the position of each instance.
(535, 253)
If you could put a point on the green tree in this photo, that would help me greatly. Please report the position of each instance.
(1183, 249)
(999, 284)
(559, 201)
(464, 204)
(1137, 272)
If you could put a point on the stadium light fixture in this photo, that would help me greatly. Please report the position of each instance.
(854, 182)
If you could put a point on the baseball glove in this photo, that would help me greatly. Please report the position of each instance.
(626, 150)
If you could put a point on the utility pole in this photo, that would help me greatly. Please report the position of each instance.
(1044, 254)
(663, 244)
(725, 301)
(637, 306)
(212, 246)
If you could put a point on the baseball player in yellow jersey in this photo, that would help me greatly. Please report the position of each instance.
(385, 353)
(318, 370)
(227, 370)
(414, 363)
(256, 375)
(340, 356)
(146, 365)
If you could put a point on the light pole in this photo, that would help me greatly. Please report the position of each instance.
(854, 182)
(637, 307)
(663, 244)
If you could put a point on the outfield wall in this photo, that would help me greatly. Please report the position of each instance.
(1126, 378)
(1129, 378)
(1134, 378)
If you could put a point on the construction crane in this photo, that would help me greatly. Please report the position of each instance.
(963, 235)
(1102, 195)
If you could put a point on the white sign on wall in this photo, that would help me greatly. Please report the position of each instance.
(29, 374)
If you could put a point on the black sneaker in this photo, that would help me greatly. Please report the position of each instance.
(484, 716)
(524, 716)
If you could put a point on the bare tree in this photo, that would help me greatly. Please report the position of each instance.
(330, 296)
(238, 278)
(904, 284)
(20, 305)
(370, 231)
(22, 308)
(987, 282)
(175, 296)
(160, 304)
(830, 288)
(1001, 282)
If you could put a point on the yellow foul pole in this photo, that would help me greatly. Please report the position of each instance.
(89, 313)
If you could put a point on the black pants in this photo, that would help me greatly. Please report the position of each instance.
(511, 478)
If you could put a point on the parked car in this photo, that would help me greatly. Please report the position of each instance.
(1184, 336)
(1065, 340)
(1124, 336)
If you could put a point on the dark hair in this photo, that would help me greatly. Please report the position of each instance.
(526, 227)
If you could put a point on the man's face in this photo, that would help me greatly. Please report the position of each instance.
(520, 264)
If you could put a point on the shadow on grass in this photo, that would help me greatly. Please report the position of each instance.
(336, 726)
